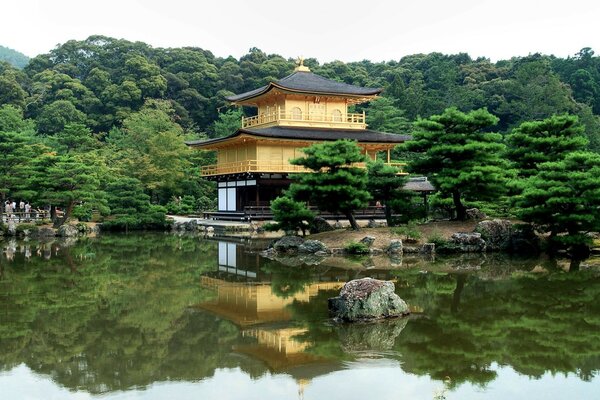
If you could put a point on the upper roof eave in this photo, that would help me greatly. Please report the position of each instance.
(308, 83)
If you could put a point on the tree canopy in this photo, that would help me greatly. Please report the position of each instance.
(463, 159)
(336, 185)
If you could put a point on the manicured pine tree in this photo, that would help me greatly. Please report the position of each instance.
(385, 185)
(462, 159)
(130, 207)
(65, 181)
(290, 215)
(335, 186)
(563, 198)
(536, 142)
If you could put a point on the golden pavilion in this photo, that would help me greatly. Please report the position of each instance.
(293, 113)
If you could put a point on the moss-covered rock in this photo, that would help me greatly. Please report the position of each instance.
(367, 299)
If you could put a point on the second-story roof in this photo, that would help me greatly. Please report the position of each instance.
(308, 83)
(310, 134)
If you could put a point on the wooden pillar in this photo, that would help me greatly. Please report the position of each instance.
(257, 196)
(388, 155)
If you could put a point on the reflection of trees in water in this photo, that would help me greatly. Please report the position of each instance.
(114, 313)
(534, 323)
(115, 319)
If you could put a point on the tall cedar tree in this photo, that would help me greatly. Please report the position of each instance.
(563, 198)
(335, 186)
(533, 143)
(385, 185)
(461, 158)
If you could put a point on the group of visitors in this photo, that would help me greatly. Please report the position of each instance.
(18, 212)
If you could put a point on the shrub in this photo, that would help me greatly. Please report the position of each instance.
(442, 245)
(410, 232)
(24, 229)
(356, 248)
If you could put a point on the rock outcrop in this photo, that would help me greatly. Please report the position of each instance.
(288, 244)
(496, 233)
(67, 231)
(367, 299)
(468, 242)
(319, 224)
(367, 241)
(312, 246)
(475, 213)
(395, 247)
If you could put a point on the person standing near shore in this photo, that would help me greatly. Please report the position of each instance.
(27, 210)
(7, 210)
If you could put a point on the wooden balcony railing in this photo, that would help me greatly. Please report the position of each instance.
(267, 167)
(349, 120)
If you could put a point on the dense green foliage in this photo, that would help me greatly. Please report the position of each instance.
(290, 216)
(563, 198)
(536, 142)
(129, 107)
(336, 186)
(462, 158)
(386, 186)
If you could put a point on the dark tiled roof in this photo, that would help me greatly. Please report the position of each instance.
(419, 184)
(307, 82)
(281, 132)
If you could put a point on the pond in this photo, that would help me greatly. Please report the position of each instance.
(155, 316)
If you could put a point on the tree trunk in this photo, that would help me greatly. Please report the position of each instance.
(67, 214)
(2, 205)
(388, 214)
(461, 210)
(352, 221)
(53, 214)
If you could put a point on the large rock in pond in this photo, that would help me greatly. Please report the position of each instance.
(496, 233)
(288, 244)
(367, 299)
(468, 242)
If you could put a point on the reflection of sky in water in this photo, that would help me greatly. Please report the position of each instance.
(371, 380)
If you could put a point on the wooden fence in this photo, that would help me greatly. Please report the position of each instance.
(22, 216)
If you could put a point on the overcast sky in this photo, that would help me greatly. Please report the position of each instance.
(325, 29)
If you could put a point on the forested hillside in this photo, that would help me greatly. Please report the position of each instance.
(13, 57)
(126, 107)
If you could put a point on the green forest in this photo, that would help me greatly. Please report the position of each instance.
(99, 125)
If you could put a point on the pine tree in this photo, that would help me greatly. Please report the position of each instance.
(335, 186)
(385, 185)
(533, 143)
(563, 198)
(460, 156)
(290, 215)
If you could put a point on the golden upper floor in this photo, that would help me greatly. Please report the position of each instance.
(304, 99)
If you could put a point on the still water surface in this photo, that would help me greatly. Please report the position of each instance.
(158, 316)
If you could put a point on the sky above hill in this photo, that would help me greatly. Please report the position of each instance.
(325, 29)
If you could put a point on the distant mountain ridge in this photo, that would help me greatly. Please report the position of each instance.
(13, 57)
